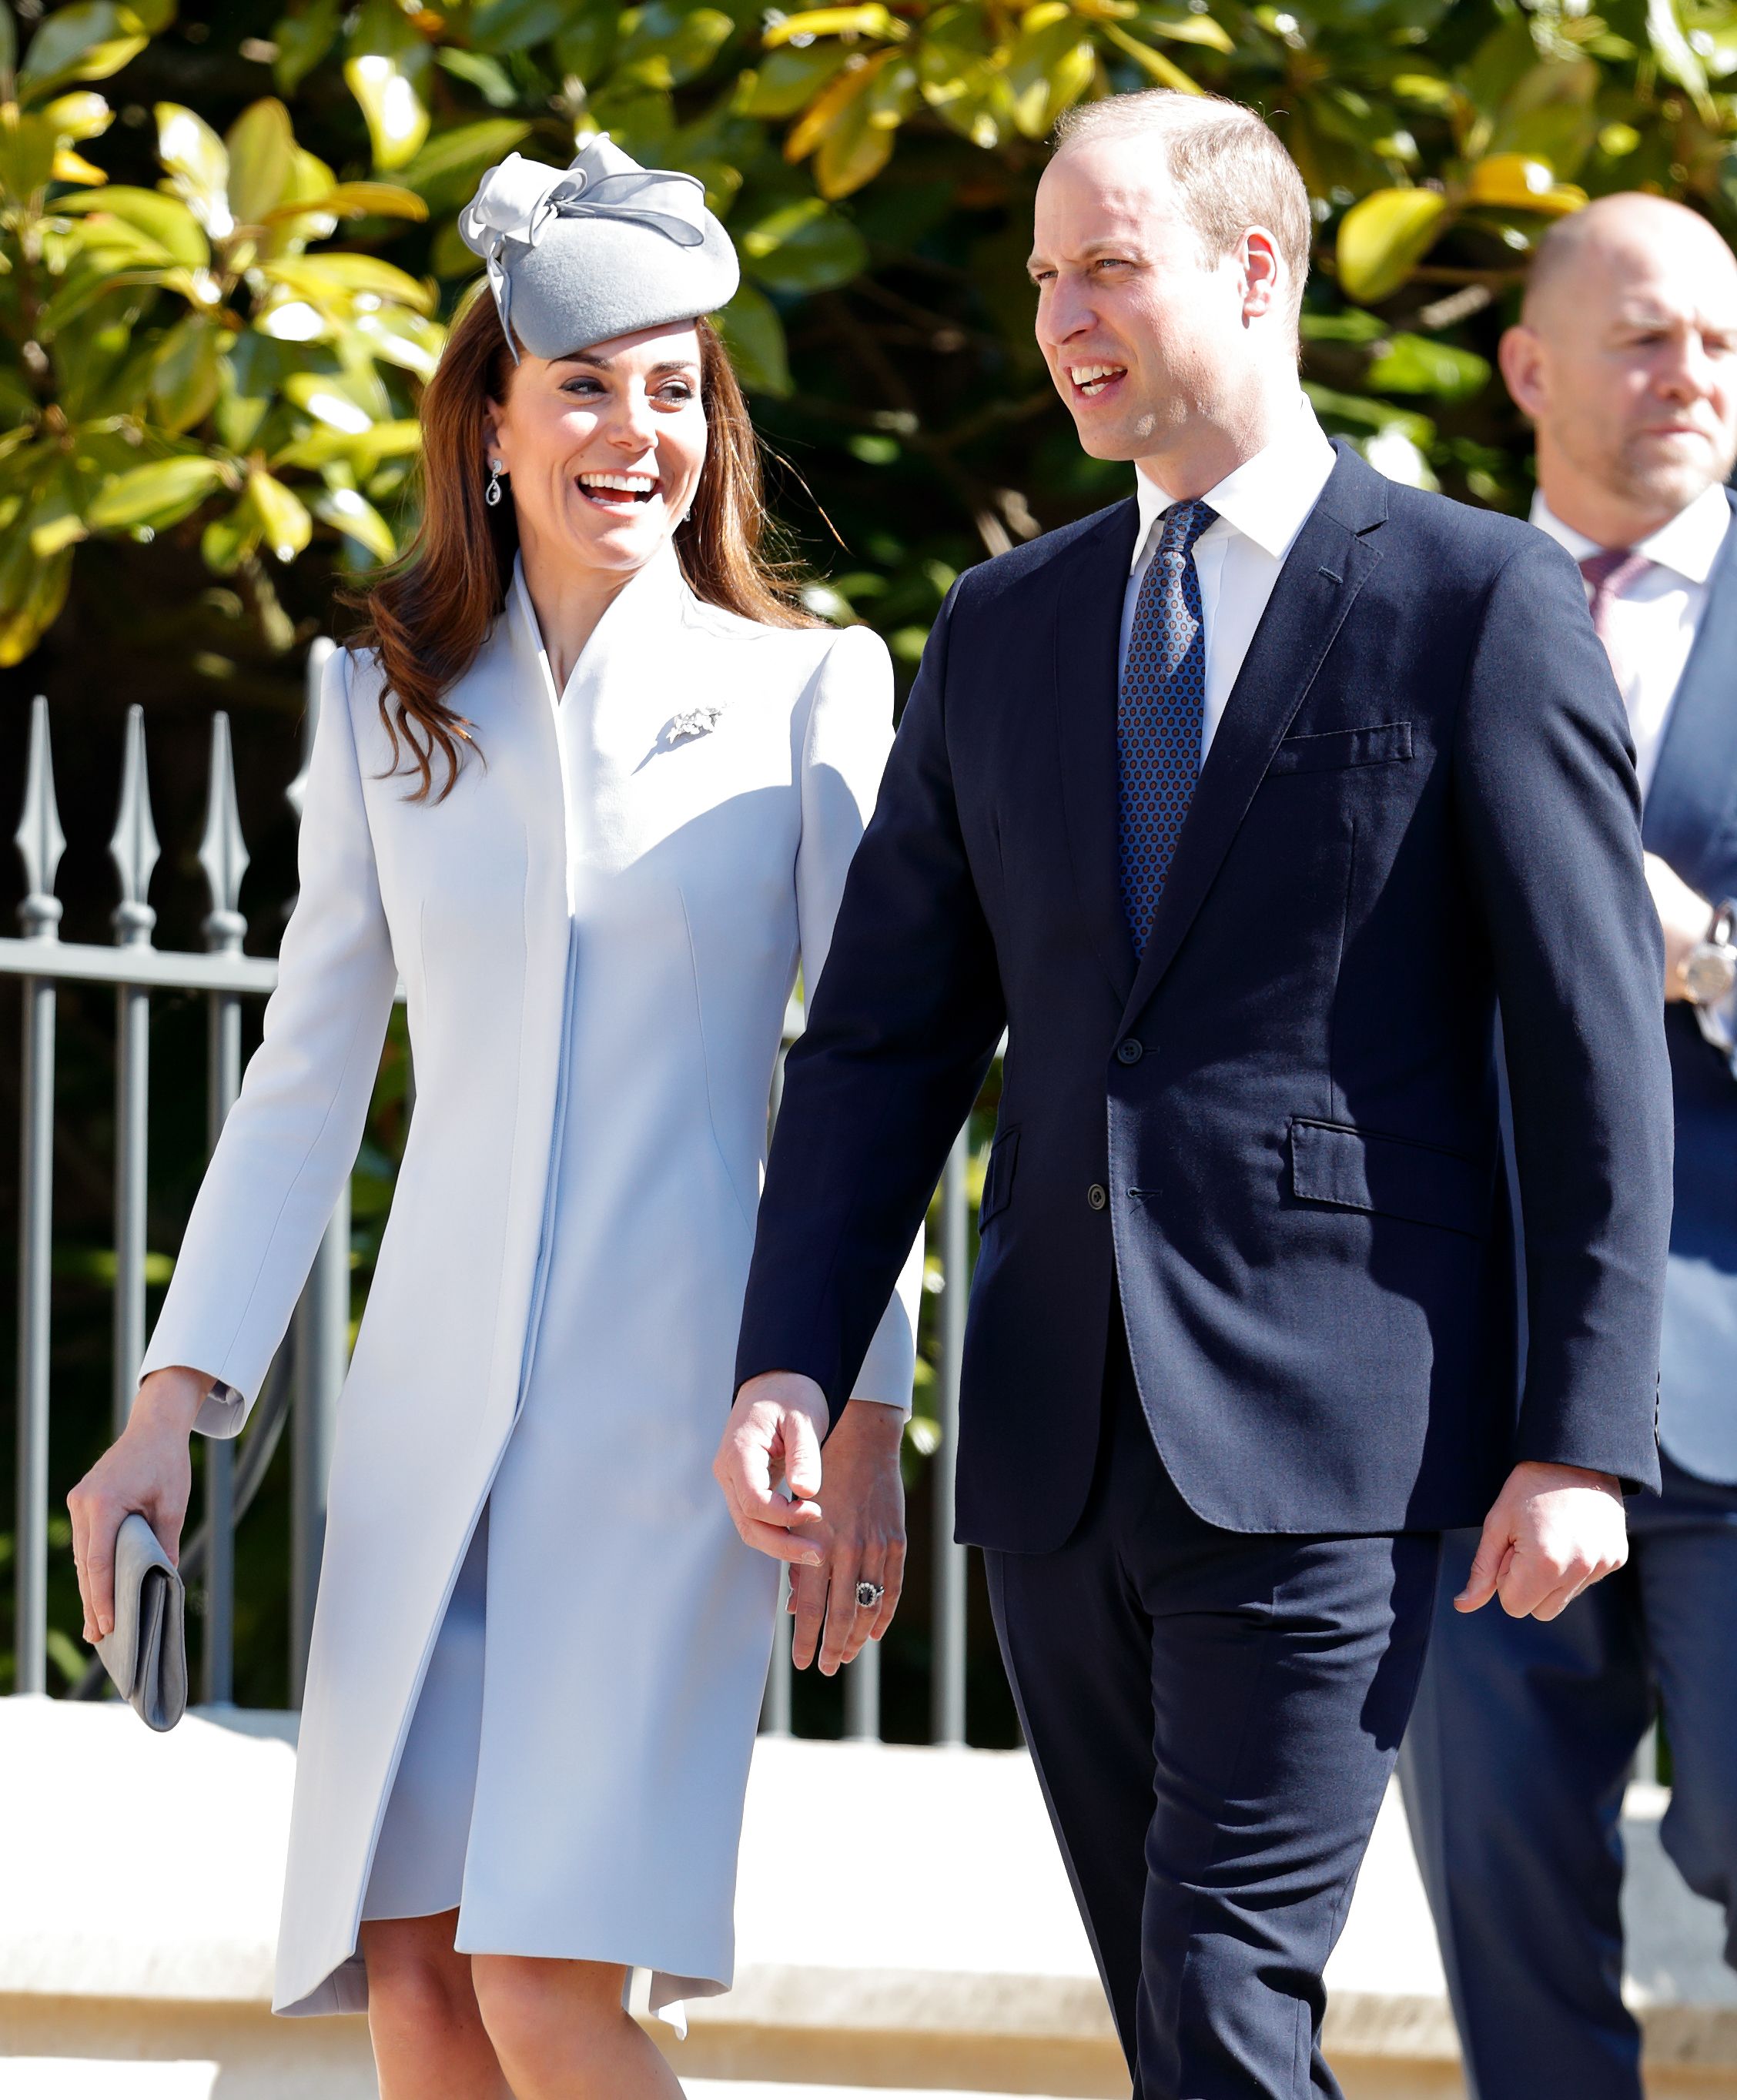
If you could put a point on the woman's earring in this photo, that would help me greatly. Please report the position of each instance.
(491, 493)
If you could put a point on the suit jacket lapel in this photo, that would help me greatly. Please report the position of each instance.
(1323, 573)
(1692, 783)
(1091, 584)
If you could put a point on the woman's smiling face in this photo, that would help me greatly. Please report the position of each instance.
(604, 448)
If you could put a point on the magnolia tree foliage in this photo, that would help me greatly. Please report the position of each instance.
(215, 315)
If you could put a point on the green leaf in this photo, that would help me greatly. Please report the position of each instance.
(582, 50)
(515, 25)
(159, 494)
(323, 446)
(1164, 70)
(334, 281)
(88, 41)
(396, 115)
(445, 171)
(28, 146)
(227, 541)
(356, 518)
(330, 399)
(1200, 29)
(303, 36)
(354, 200)
(1049, 68)
(802, 247)
(284, 525)
(1352, 325)
(198, 164)
(8, 54)
(871, 20)
(1384, 236)
(487, 76)
(261, 147)
(32, 593)
(409, 340)
(187, 375)
(1366, 414)
(1419, 364)
(670, 43)
(789, 80)
(165, 221)
(1677, 57)
(753, 335)
(80, 116)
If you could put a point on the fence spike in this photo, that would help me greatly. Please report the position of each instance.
(134, 848)
(318, 650)
(223, 850)
(39, 838)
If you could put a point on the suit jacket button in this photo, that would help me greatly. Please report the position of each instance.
(1130, 1052)
(1097, 1195)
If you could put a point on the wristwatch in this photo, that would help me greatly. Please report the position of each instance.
(1709, 970)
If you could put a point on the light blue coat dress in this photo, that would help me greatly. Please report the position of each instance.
(540, 1648)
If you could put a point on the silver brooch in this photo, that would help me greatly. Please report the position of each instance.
(695, 721)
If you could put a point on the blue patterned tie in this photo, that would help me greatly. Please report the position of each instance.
(1161, 718)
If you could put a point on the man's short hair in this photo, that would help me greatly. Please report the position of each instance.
(1229, 169)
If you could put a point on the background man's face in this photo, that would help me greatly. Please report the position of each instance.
(1140, 330)
(1632, 370)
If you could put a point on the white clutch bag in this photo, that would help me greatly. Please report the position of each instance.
(146, 1654)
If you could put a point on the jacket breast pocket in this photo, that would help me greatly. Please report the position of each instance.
(998, 1176)
(1359, 1170)
(1330, 750)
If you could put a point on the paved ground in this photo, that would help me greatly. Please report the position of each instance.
(45, 2078)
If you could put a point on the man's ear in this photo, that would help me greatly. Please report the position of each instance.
(1521, 355)
(1263, 274)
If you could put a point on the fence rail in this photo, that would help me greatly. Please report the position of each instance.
(314, 1354)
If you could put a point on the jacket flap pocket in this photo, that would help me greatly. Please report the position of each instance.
(1329, 751)
(998, 1175)
(1359, 1171)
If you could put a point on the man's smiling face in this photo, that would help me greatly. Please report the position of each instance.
(1140, 329)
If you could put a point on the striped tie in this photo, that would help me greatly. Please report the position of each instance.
(1608, 574)
(1161, 718)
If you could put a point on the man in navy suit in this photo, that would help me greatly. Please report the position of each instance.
(1524, 1733)
(1239, 806)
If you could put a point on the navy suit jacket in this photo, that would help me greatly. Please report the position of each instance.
(1278, 1135)
(1691, 822)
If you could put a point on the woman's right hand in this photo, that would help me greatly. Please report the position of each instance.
(146, 1469)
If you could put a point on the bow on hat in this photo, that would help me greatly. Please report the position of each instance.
(519, 200)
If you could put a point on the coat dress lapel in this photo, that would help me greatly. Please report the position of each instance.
(1322, 574)
(1692, 791)
(1091, 586)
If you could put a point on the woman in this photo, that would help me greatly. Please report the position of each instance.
(589, 786)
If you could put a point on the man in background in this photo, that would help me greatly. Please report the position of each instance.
(1525, 1730)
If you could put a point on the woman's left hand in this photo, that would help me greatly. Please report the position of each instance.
(861, 1539)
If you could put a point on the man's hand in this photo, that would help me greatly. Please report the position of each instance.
(772, 1439)
(1553, 1531)
(862, 1535)
(1684, 915)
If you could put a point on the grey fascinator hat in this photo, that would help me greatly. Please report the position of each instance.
(576, 255)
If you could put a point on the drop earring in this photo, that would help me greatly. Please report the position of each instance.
(491, 493)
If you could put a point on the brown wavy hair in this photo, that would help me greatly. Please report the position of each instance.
(425, 618)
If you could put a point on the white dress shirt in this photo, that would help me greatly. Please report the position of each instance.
(1652, 624)
(1261, 507)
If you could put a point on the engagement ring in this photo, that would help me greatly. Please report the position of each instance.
(869, 1595)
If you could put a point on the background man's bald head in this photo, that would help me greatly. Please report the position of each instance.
(1592, 242)
(1624, 360)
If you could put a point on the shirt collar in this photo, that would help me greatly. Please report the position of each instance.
(1688, 544)
(1267, 497)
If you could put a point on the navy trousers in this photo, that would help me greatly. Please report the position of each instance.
(1513, 1771)
(1213, 1716)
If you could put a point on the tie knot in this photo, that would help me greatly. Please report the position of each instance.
(1610, 571)
(1183, 524)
